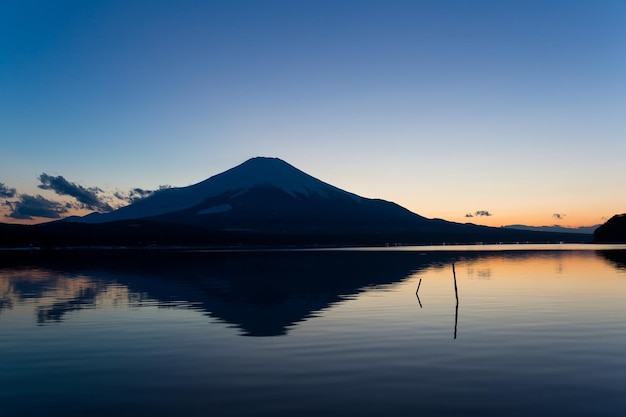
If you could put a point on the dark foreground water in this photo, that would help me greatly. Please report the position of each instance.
(533, 333)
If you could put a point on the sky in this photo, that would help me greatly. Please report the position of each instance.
(490, 112)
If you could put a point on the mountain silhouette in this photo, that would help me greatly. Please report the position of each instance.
(555, 228)
(267, 202)
(613, 231)
(269, 195)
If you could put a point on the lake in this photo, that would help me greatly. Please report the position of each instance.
(529, 331)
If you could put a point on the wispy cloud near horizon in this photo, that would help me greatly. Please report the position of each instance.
(87, 197)
(6, 191)
(14, 205)
(479, 213)
(136, 194)
(30, 206)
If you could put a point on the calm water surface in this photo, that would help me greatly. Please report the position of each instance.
(538, 332)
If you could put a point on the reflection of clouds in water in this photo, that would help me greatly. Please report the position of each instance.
(480, 273)
(86, 298)
(5, 302)
(484, 273)
(559, 268)
(53, 295)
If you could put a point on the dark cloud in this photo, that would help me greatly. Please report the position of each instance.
(6, 192)
(479, 213)
(134, 195)
(30, 206)
(138, 193)
(558, 216)
(87, 197)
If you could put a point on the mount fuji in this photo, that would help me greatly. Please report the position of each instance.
(267, 195)
(263, 202)
(230, 192)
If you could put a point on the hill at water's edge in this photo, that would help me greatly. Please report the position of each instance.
(613, 231)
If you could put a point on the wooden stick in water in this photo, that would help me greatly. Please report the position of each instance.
(456, 293)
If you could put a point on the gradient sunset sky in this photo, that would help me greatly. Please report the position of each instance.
(516, 109)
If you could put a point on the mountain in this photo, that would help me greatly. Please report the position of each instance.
(269, 195)
(613, 231)
(266, 201)
(555, 228)
(225, 192)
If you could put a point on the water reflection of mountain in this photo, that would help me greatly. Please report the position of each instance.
(615, 257)
(261, 293)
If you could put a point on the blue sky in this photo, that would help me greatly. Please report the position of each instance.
(515, 108)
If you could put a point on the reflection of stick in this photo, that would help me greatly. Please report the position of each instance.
(456, 293)
(416, 294)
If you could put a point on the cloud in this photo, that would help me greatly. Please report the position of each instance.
(479, 213)
(138, 193)
(30, 206)
(559, 216)
(134, 195)
(6, 192)
(87, 197)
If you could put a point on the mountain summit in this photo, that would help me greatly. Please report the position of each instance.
(262, 202)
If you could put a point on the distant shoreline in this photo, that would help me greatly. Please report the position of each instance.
(462, 247)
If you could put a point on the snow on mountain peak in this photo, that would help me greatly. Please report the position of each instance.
(263, 171)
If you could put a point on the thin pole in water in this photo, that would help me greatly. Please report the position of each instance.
(417, 295)
(456, 293)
